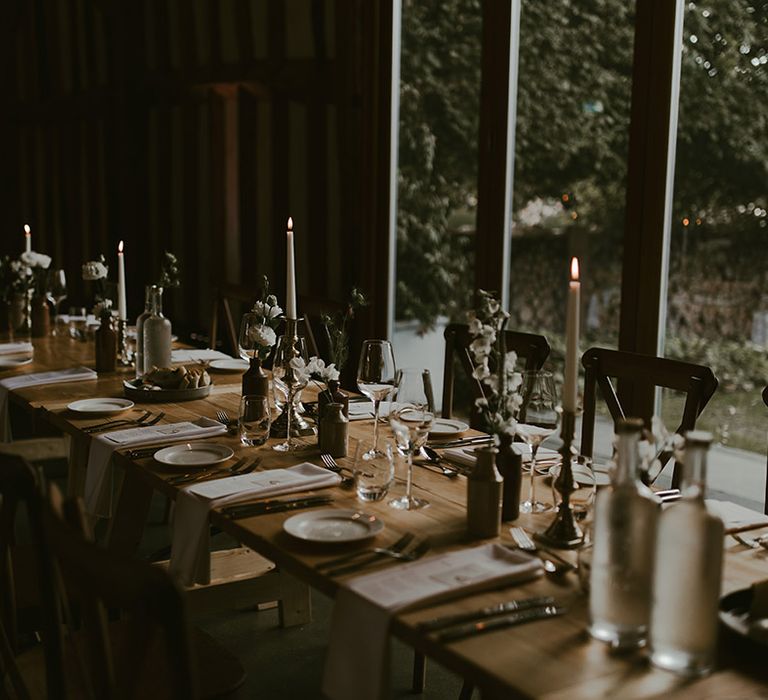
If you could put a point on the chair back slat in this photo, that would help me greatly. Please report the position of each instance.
(765, 501)
(532, 349)
(601, 365)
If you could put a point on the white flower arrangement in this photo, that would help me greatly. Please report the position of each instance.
(102, 308)
(300, 370)
(498, 380)
(262, 336)
(259, 325)
(320, 372)
(35, 260)
(95, 270)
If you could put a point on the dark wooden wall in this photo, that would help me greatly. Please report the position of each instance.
(198, 126)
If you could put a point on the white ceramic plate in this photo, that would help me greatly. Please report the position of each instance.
(11, 362)
(333, 525)
(232, 365)
(200, 454)
(101, 406)
(581, 475)
(447, 426)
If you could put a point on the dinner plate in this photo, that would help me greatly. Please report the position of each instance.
(193, 454)
(101, 406)
(333, 525)
(11, 362)
(447, 426)
(232, 365)
(734, 614)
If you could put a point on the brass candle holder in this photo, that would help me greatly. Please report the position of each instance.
(563, 532)
(124, 354)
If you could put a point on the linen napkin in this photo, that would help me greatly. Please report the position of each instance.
(22, 381)
(15, 349)
(357, 664)
(193, 355)
(733, 515)
(465, 457)
(98, 475)
(190, 552)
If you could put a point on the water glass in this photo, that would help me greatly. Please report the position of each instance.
(254, 420)
(584, 488)
(373, 474)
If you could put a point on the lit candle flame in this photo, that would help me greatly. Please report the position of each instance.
(120, 247)
(575, 269)
(27, 230)
(290, 224)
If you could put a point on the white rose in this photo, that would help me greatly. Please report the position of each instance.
(315, 366)
(95, 270)
(330, 374)
(481, 371)
(299, 368)
(275, 311)
(33, 259)
(262, 335)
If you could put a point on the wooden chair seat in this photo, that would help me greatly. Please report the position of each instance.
(639, 375)
(532, 352)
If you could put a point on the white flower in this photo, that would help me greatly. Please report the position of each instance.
(265, 310)
(315, 366)
(475, 325)
(481, 402)
(330, 374)
(481, 371)
(299, 367)
(262, 335)
(33, 259)
(492, 382)
(102, 308)
(95, 270)
(480, 349)
(317, 369)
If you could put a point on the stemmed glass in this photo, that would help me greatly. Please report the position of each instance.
(288, 382)
(57, 292)
(538, 420)
(411, 423)
(376, 380)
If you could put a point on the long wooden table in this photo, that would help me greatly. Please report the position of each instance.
(550, 659)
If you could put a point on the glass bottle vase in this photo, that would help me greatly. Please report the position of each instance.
(156, 334)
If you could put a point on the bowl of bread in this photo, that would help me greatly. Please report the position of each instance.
(170, 384)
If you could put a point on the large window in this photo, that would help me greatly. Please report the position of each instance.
(717, 302)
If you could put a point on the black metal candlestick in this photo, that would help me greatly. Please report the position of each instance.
(563, 532)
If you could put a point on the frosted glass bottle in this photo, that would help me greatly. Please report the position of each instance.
(626, 516)
(687, 577)
(157, 333)
(139, 356)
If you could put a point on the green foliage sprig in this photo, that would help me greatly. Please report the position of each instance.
(170, 272)
(336, 327)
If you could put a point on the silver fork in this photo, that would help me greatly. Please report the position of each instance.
(223, 417)
(236, 469)
(553, 563)
(756, 543)
(397, 547)
(106, 425)
(418, 551)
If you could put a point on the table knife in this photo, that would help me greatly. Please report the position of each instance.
(486, 612)
(497, 623)
(246, 510)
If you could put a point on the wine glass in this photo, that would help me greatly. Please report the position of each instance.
(537, 421)
(411, 422)
(57, 292)
(288, 383)
(376, 380)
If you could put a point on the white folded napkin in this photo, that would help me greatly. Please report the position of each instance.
(363, 410)
(357, 664)
(733, 515)
(98, 482)
(15, 348)
(22, 381)
(465, 456)
(190, 552)
(192, 355)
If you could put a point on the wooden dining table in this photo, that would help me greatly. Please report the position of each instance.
(549, 659)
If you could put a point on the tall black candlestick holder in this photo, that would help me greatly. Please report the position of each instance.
(563, 532)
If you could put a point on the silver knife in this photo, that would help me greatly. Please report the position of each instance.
(483, 613)
(497, 623)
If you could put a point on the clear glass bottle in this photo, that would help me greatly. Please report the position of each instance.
(688, 571)
(156, 333)
(139, 356)
(626, 516)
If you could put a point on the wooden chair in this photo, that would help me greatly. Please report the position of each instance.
(531, 348)
(149, 651)
(765, 507)
(642, 372)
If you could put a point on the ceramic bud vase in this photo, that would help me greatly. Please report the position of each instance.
(106, 345)
(335, 431)
(41, 317)
(331, 394)
(156, 332)
(255, 379)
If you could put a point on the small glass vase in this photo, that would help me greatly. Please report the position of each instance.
(255, 379)
(139, 356)
(106, 345)
(156, 334)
